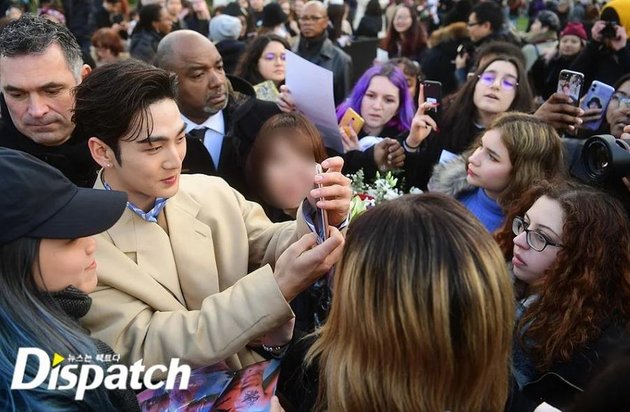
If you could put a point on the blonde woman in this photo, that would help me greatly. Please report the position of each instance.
(422, 314)
(516, 151)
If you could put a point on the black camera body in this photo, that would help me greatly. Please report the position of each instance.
(605, 158)
(609, 31)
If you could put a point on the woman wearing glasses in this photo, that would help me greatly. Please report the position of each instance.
(569, 247)
(515, 151)
(264, 60)
(497, 87)
(405, 37)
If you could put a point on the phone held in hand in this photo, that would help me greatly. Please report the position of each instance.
(351, 120)
(321, 217)
(432, 92)
(570, 83)
(597, 97)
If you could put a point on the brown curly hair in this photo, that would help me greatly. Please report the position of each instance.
(588, 286)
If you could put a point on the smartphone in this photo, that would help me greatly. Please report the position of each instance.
(351, 120)
(432, 92)
(321, 225)
(597, 97)
(570, 83)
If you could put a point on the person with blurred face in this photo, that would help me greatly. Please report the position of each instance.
(210, 251)
(316, 47)
(40, 64)
(221, 123)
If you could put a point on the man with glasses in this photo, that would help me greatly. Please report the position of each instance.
(316, 47)
(221, 122)
(485, 24)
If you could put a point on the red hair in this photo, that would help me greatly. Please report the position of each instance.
(588, 286)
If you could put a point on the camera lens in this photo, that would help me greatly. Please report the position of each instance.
(597, 159)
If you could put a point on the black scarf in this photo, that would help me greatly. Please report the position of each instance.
(75, 304)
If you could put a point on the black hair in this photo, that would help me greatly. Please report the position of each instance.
(248, 63)
(373, 8)
(489, 11)
(595, 100)
(113, 102)
(499, 48)
(147, 15)
(34, 35)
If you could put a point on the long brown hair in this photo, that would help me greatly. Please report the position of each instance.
(458, 121)
(414, 41)
(419, 325)
(588, 286)
(535, 150)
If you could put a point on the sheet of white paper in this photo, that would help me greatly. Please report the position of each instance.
(382, 56)
(312, 90)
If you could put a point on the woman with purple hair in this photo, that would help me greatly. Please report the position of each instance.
(381, 97)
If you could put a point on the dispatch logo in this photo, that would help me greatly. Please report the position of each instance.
(78, 372)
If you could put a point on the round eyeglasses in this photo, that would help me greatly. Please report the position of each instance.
(488, 79)
(535, 240)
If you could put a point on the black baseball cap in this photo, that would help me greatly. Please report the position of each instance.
(37, 200)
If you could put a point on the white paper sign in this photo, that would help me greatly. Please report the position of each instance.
(312, 90)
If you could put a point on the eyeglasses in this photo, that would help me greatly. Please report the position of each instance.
(310, 18)
(270, 57)
(535, 240)
(620, 99)
(488, 79)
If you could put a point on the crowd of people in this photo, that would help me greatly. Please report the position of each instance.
(163, 198)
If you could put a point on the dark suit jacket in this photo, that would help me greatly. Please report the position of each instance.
(244, 117)
(72, 158)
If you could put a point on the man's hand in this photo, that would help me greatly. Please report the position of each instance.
(304, 262)
(336, 191)
(389, 154)
(421, 124)
(285, 100)
(558, 112)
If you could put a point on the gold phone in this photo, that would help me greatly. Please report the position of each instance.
(351, 120)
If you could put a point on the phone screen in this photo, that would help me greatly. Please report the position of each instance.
(432, 92)
(321, 224)
(570, 83)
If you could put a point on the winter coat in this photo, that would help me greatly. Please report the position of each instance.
(144, 44)
(438, 62)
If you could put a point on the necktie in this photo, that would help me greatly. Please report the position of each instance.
(198, 134)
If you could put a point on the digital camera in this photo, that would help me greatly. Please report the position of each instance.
(605, 158)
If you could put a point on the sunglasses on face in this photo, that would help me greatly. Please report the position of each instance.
(507, 82)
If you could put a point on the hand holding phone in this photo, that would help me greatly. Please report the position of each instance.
(351, 120)
(321, 217)
(570, 83)
(433, 93)
(596, 101)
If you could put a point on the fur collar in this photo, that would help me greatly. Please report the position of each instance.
(450, 178)
(454, 31)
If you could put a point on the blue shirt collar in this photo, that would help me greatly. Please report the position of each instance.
(151, 215)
